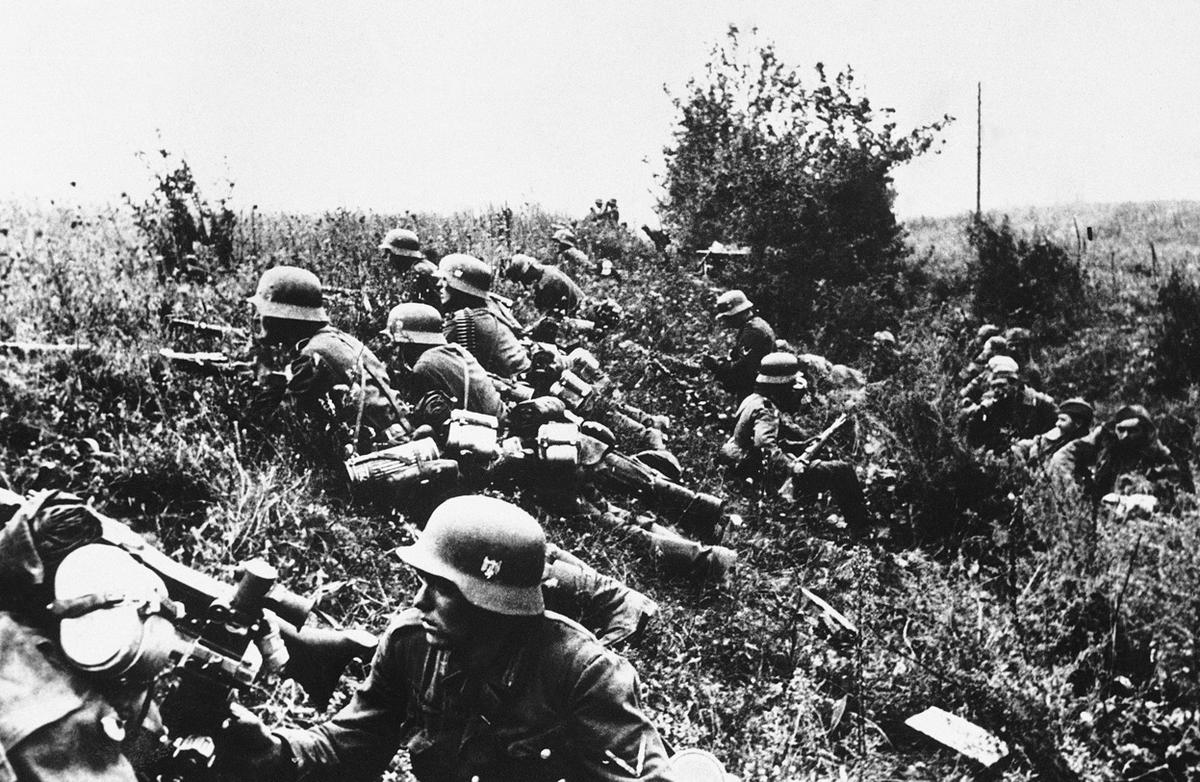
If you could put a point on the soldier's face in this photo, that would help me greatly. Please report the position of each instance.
(1067, 425)
(443, 291)
(446, 616)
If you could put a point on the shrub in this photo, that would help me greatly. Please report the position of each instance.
(1027, 282)
(801, 172)
(1177, 357)
(178, 222)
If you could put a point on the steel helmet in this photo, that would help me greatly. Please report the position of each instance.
(413, 322)
(1004, 366)
(987, 331)
(424, 268)
(1080, 410)
(467, 274)
(884, 337)
(780, 369)
(521, 268)
(730, 303)
(402, 242)
(565, 236)
(290, 292)
(490, 549)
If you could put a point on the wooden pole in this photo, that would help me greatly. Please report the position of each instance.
(978, 146)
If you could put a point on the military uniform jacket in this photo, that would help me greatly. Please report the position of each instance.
(755, 339)
(555, 292)
(52, 720)
(1096, 461)
(552, 704)
(487, 339)
(995, 424)
(452, 370)
(1037, 450)
(758, 433)
(333, 374)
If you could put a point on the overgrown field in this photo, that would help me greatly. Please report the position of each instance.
(1070, 634)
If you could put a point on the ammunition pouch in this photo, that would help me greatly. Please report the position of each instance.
(473, 434)
(525, 418)
(583, 363)
(558, 443)
(575, 393)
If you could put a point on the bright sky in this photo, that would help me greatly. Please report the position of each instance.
(442, 105)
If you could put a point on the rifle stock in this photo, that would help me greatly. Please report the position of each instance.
(665, 361)
(25, 349)
(215, 363)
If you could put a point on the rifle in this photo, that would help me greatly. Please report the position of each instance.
(210, 363)
(207, 329)
(814, 446)
(219, 624)
(666, 362)
(26, 349)
(817, 443)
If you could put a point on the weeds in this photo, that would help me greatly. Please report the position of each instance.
(1070, 635)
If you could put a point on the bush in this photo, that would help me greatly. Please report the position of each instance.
(177, 222)
(802, 174)
(1177, 358)
(1026, 282)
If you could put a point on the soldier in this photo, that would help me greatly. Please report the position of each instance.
(554, 293)
(1075, 418)
(402, 248)
(332, 377)
(568, 252)
(477, 680)
(1020, 347)
(1008, 411)
(433, 365)
(465, 284)
(975, 374)
(886, 356)
(1123, 451)
(755, 339)
(764, 427)
(57, 720)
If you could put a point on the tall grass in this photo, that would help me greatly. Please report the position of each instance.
(1070, 635)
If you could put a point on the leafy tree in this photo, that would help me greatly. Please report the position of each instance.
(801, 172)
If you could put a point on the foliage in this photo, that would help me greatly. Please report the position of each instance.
(1070, 635)
(181, 227)
(801, 172)
(1177, 341)
(1027, 282)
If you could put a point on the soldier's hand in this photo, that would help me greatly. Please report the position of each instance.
(246, 747)
(799, 467)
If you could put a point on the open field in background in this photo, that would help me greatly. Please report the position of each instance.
(1071, 636)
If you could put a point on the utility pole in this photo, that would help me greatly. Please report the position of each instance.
(978, 145)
